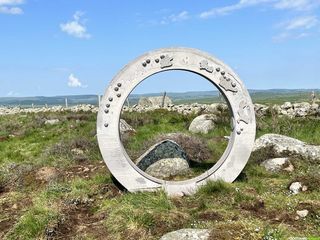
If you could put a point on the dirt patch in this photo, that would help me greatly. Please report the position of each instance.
(77, 221)
(5, 226)
(47, 174)
(211, 216)
(3, 138)
(255, 206)
(231, 231)
(257, 209)
(11, 212)
(85, 169)
(110, 191)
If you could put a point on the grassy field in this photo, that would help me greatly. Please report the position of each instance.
(80, 201)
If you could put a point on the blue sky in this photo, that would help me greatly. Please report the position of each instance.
(76, 47)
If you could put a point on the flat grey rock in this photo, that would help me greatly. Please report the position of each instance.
(202, 124)
(162, 150)
(282, 146)
(187, 234)
(168, 167)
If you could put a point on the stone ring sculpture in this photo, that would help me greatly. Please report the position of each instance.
(238, 151)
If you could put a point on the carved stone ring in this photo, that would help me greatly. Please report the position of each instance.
(238, 151)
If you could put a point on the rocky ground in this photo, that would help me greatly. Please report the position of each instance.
(54, 184)
(301, 109)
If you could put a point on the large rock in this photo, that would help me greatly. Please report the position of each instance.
(162, 150)
(302, 109)
(202, 124)
(195, 147)
(187, 234)
(276, 145)
(260, 109)
(298, 109)
(168, 167)
(154, 101)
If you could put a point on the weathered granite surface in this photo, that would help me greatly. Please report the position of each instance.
(203, 123)
(162, 150)
(168, 167)
(282, 146)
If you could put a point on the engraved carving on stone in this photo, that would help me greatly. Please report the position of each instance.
(244, 112)
(166, 61)
(228, 84)
(185, 61)
(204, 65)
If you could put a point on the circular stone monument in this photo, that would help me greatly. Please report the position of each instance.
(241, 140)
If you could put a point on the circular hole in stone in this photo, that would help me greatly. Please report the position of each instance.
(175, 125)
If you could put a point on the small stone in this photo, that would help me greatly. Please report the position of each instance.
(52, 121)
(14, 206)
(77, 151)
(303, 213)
(295, 187)
(304, 188)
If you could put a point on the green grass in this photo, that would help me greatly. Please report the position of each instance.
(33, 222)
(256, 200)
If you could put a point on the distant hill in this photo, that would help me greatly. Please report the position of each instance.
(270, 96)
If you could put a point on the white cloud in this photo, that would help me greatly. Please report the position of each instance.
(305, 22)
(11, 10)
(11, 2)
(295, 28)
(75, 82)
(300, 5)
(231, 8)
(76, 27)
(281, 37)
(184, 15)
(289, 35)
(8, 7)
